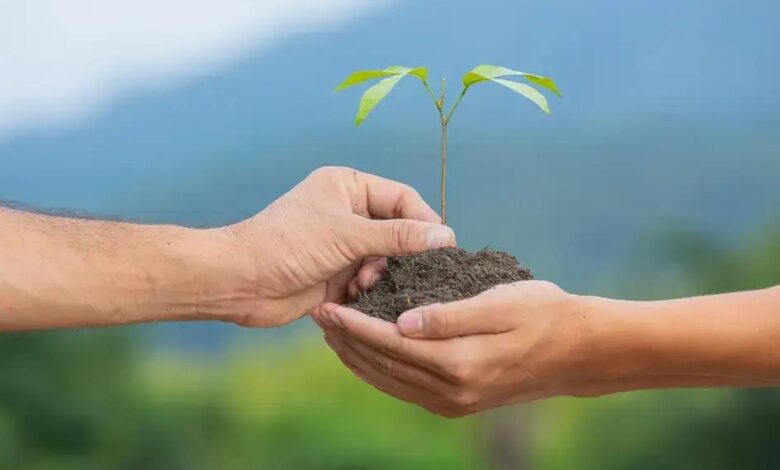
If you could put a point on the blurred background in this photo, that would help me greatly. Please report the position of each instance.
(657, 175)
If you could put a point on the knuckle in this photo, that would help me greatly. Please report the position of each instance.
(327, 172)
(436, 324)
(542, 286)
(258, 317)
(399, 234)
(465, 400)
(244, 320)
(384, 364)
(462, 373)
(392, 345)
(409, 191)
(319, 173)
(459, 366)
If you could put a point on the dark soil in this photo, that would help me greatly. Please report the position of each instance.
(441, 275)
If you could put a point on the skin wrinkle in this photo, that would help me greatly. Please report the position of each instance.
(366, 193)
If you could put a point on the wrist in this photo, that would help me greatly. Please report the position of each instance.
(618, 345)
(643, 345)
(209, 275)
(694, 342)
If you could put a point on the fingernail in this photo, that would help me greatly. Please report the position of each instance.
(410, 322)
(439, 236)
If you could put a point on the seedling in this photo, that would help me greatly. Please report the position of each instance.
(390, 77)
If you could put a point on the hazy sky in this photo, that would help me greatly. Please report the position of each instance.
(62, 60)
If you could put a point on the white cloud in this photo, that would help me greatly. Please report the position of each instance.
(63, 60)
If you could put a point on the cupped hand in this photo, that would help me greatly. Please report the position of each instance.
(516, 342)
(326, 236)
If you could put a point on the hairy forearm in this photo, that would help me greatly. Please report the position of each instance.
(719, 340)
(60, 272)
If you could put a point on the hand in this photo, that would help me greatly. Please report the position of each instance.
(516, 342)
(308, 247)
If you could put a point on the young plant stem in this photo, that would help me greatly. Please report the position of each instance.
(444, 121)
(433, 97)
(455, 106)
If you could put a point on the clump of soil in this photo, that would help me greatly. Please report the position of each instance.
(441, 275)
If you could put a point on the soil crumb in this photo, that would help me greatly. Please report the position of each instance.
(441, 275)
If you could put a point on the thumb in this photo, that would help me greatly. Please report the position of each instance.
(400, 236)
(450, 320)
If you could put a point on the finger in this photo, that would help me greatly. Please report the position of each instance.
(388, 199)
(395, 368)
(369, 274)
(338, 284)
(318, 317)
(396, 237)
(293, 307)
(385, 337)
(353, 291)
(368, 373)
(472, 316)
(315, 319)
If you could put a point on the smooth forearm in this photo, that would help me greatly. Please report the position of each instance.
(719, 340)
(59, 272)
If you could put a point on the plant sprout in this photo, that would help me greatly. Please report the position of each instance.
(390, 77)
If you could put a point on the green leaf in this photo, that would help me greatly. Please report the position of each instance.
(419, 72)
(526, 90)
(361, 76)
(356, 78)
(374, 95)
(481, 73)
(492, 73)
(545, 82)
(377, 93)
